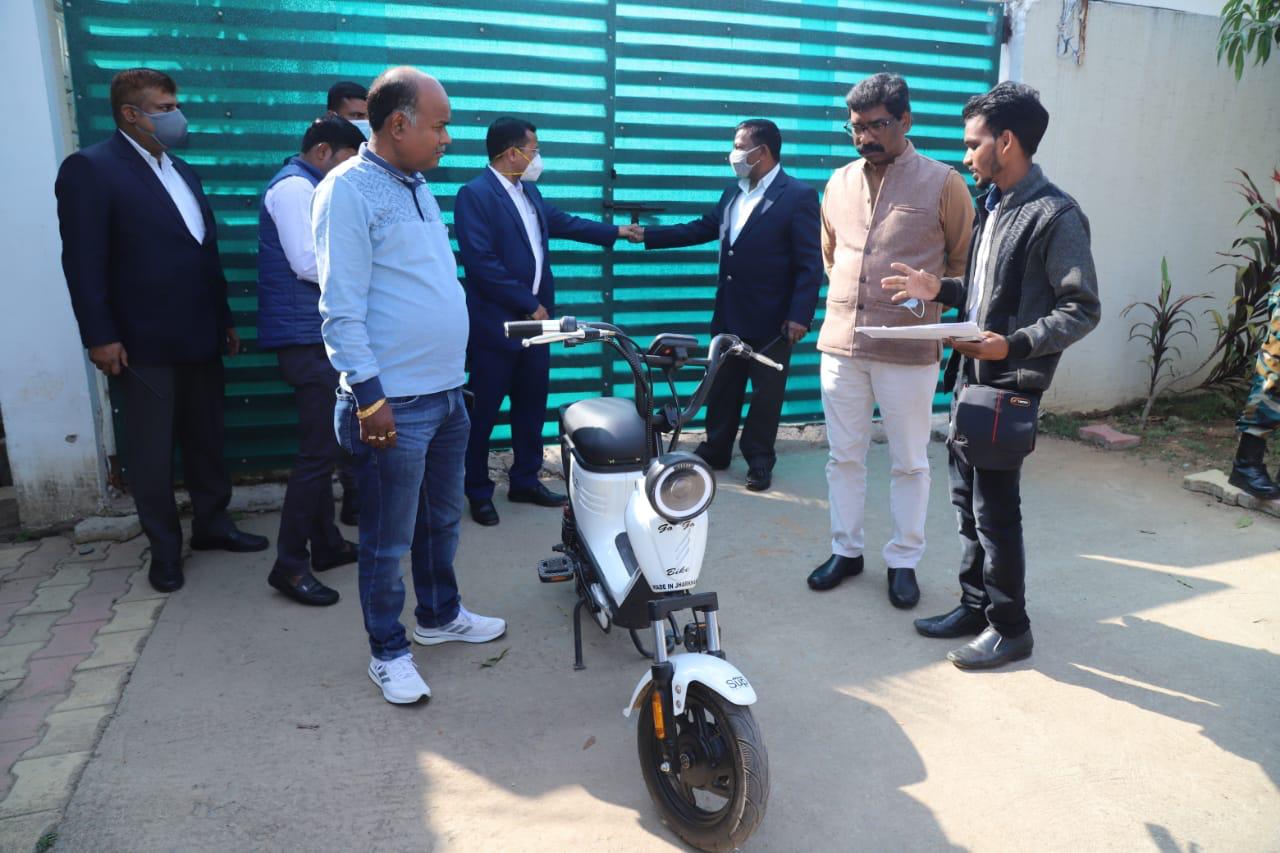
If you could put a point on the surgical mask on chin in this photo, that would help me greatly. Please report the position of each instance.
(170, 128)
(534, 170)
(738, 160)
(363, 125)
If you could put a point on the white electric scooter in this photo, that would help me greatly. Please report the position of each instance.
(632, 541)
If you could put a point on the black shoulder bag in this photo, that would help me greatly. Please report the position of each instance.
(992, 428)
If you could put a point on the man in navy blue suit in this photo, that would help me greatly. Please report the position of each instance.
(503, 226)
(140, 254)
(767, 225)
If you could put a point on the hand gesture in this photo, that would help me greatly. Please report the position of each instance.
(111, 358)
(379, 429)
(912, 284)
(793, 332)
(634, 233)
(992, 347)
(233, 342)
(540, 314)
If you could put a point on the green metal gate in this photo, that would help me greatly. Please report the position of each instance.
(634, 103)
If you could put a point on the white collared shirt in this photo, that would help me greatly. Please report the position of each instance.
(979, 285)
(288, 203)
(741, 208)
(183, 198)
(532, 227)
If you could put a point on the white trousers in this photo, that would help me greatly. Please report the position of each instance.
(851, 388)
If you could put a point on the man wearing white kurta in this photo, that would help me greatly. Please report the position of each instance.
(891, 205)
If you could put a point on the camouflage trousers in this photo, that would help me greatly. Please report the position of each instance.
(1261, 414)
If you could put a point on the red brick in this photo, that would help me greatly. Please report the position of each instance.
(73, 639)
(23, 590)
(47, 677)
(23, 718)
(115, 582)
(89, 608)
(1105, 436)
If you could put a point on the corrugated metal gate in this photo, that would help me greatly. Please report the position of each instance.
(634, 102)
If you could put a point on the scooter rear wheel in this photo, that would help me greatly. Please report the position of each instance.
(716, 790)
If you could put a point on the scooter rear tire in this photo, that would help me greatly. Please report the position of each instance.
(743, 767)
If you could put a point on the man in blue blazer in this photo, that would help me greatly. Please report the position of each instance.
(767, 225)
(503, 226)
(140, 254)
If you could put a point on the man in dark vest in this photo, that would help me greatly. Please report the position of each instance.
(140, 254)
(289, 323)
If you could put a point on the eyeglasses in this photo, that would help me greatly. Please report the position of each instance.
(859, 129)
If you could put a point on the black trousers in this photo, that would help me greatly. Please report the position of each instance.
(307, 515)
(993, 564)
(178, 404)
(724, 409)
(524, 376)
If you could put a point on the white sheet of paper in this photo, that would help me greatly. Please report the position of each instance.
(928, 332)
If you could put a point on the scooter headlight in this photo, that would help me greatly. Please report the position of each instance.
(680, 486)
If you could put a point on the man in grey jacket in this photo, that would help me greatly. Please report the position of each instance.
(1030, 285)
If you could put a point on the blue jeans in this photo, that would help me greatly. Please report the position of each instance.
(410, 502)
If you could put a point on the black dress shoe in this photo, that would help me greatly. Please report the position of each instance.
(958, 623)
(991, 649)
(305, 590)
(717, 463)
(759, 479)
(349, 554)
(539, 494)
(165, 575)
(237, 541)
(350, 514)
(1249, 471)
(484, 512)
(904, 593)
(829, 574)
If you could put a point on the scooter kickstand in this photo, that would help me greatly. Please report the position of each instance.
(577, 635)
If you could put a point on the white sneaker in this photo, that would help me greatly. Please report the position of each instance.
(467, 627)
(399, 680)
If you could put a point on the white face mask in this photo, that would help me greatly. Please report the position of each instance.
(363, 125)
(738, 160)
(534, 170)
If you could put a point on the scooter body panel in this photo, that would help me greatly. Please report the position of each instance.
(669, 553)
(599, 510)
(715, 673)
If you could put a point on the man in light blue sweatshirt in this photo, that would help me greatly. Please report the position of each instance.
(395, 327)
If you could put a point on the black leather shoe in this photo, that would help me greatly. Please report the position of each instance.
(305, 590)
(716, 463)
(837, 568)
(484, 512)
(960, 622)
(904, 593)
(349, 554)
(165, 575)
(237, 541)
(350, 514)
(1249, 471)
(539, 494)
(759, 479)
(991, 649)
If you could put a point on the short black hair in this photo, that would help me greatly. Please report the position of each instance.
(1014, 107)
(344, 91)
(333, 129)
(389, 94)
(505, 133)
(127, 86)
(764, 132)
(883, 88)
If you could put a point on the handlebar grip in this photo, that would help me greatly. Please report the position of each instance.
(519, 329)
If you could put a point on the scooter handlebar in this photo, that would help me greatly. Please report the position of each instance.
(520, 329)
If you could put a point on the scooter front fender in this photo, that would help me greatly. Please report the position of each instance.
(714, 673)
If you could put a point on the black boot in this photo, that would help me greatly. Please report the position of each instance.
(1250, 470)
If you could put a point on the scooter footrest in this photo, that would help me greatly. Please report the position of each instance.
(555, 570)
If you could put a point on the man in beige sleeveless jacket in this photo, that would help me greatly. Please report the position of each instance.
(893, 204)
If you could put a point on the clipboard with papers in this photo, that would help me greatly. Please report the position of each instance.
(966, 331)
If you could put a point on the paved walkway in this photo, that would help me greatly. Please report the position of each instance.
(1145, 720)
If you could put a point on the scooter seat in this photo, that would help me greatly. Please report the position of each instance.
(606, 432)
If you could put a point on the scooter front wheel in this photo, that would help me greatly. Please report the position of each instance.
(714, 792)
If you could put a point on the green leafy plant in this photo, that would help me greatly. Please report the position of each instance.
(1169, 319)
(1256, 260)
(1248, 29)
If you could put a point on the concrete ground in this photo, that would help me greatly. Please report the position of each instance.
(1146, 719)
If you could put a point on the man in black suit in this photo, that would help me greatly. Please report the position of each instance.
(140, 254)
(770, 272)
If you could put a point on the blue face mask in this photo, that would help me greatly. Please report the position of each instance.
(170, 128)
